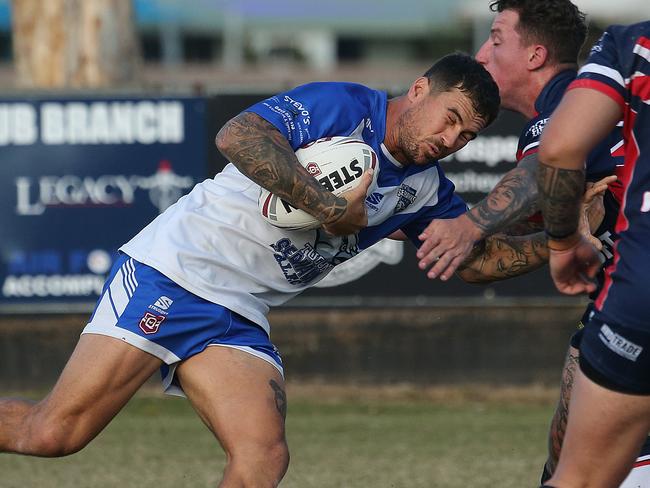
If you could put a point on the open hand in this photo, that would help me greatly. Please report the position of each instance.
(446, 244)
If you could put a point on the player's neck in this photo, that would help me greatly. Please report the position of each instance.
(524, 102)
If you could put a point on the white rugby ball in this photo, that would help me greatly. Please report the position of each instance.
(336, 162)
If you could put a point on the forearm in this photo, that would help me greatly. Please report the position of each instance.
(511, 200)
(500, 257)
(264, 155)
(561, 193)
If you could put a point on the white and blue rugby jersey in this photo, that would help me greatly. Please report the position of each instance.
(214, 243)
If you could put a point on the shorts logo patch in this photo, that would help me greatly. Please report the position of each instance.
(162, 305)
(619, 344)
(150, 323)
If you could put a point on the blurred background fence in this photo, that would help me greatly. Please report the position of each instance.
(108, 111)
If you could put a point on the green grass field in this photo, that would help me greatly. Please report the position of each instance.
(348, 438)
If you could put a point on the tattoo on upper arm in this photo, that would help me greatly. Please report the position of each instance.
(261, 152)
(561, 194)
(280, 398)
(511, 200)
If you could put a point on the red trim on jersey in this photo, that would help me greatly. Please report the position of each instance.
(644, 42)
(602, 296)
(638, 464)
(604, 88)
(532, 150)
(640, 87)
(625, 176)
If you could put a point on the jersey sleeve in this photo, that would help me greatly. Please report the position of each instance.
(602, 71)
(315, 110)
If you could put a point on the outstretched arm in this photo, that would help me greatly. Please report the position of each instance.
(500, 256)
(262, 153)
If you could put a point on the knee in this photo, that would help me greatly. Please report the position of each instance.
(259, 466)
(54, 440)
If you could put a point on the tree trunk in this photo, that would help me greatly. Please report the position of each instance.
(74, 43)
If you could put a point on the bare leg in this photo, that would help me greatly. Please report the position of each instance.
(102, 375)
(241, 399)
(600, 419)
(559, 421)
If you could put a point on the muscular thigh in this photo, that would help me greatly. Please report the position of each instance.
(100, 377)
(240, 397)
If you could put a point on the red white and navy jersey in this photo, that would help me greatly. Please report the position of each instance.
(214, 243)
(604, 160)
(619, 67)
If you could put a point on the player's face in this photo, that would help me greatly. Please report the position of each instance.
(437, 125)
(505, 57)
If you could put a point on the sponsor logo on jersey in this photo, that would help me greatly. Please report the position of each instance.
(162, 305)
(150, 323)
(619, 344)
(373, 200)
(299, 266)
(405, 197)
(537, 128)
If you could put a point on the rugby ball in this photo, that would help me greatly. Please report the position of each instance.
(336, 162)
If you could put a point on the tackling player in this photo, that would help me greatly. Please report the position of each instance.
(610, 405)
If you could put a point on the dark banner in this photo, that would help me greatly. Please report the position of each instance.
(78, 178)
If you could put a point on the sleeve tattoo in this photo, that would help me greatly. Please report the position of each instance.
(511, 200)
(500, 257)
(264, 155)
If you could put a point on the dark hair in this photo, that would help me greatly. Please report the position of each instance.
(557, 24)
(462, 71)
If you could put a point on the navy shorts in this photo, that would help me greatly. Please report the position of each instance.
(616, 357)
(144, 308)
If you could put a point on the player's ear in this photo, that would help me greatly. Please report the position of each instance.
(537, 56)
(419, 88)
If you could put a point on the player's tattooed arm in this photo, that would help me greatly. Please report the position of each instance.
(511, 200)
(561, 194)
(500, 257)
(263, 154)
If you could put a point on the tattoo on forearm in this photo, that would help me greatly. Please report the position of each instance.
(280, 398)
(511, 200)
(263, 154)
(561, 417)
(500, 257)
(561, 195)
